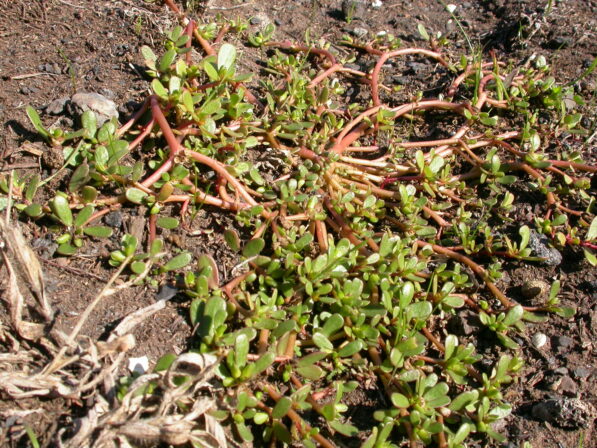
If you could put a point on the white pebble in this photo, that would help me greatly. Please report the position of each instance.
(139, 365)
(539, 340)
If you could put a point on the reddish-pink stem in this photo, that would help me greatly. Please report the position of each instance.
(189, 32)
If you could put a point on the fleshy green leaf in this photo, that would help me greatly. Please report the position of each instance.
(89, 123)
(36, 122)
(164, 362)
(350, 349)
(33, 210)
(32, 187)
(232, 239)
(344, 428)
(84, 215)
(451, 344)
(333, 323)
(514, 315)
(98, 231)
(226, 56)
(66, 249)
(135, 195)
(592, 233)
(321, 340)
(60, 208)
(253, 247)
(282, 407)
(166, 222)
(79, 178)
(263, 363)
(178, 262)
(241, 350)
(310, 372)
(399, 400)
(138, 267)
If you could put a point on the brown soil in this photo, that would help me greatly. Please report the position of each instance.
(50, 49)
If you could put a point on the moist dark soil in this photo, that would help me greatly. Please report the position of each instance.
(50, 49)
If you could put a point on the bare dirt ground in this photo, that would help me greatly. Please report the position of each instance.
(50, 49)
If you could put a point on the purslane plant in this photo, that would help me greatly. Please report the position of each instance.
(361, 240)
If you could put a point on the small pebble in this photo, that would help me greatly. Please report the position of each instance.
(353, 9)
(539, 340)
(56, 107)
(113, 219)
(138, 365)
(563, 342)
(260, 21)
(166, 292)
(359, 32)
(103, 108)
(581, 372)
(568, 387)
(534, 288)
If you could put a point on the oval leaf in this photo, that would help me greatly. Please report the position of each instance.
(135, 195)
(226, 56)
(253, 247)
(282, 407)
(178, 262)
(399, 400)
(166, 222)
(61, 210)
(98, 231)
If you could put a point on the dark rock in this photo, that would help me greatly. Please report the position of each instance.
(56, 107)
(166, 292)
(464, 323)
(560, 42)
(353, 9)
(402, 80)
(566, 413)
(45, 246)
(539, 245)
(353, 66)
(260, 21)
(25, 90)
(50, 68)
(113, 219)
(416, 67)
(278, 22)
(563, 342)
